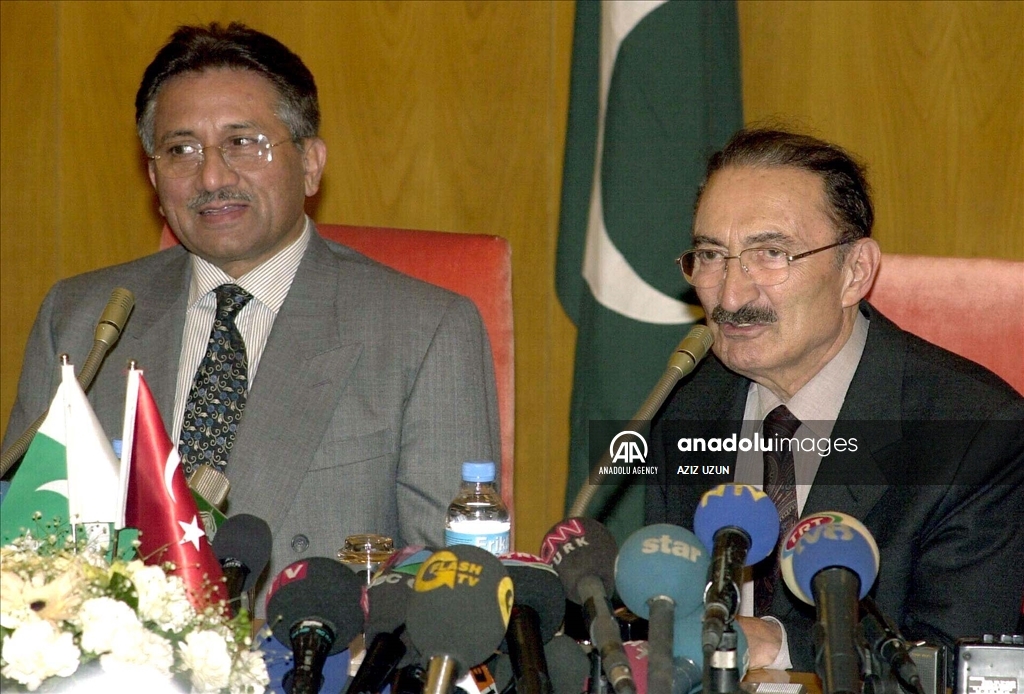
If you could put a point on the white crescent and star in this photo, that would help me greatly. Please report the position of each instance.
(169, 468)
(612, 280)
(55, 486)
(193, 532)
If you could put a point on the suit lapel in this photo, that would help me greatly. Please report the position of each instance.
(871, 414)
(153, 334)
(302, 374)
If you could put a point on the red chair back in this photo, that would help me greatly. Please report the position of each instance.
(971, 306)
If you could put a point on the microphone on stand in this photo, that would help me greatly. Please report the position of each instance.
(688, 657)
(388, 646)
(458, 612)
(313, 607)
(567, 662)
(242, 546)
(830, 560)
(660, 573)
(892, 648)
(688, 354)
(583, 552)
(741, 524)
(108, 330)
(537, 612)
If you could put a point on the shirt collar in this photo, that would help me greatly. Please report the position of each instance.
(817, 404)
(268, 282)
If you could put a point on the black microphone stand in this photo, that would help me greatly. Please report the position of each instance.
(721, 666)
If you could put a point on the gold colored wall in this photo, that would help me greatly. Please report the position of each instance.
(451, 115)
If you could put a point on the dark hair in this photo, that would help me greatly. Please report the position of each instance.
(846, 185)
(197, 48)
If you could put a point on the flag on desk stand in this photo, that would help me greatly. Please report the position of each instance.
(160, 503)
(655, 89)
(69, 475)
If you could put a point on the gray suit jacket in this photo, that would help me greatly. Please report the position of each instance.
(372, 390)
(938, 480)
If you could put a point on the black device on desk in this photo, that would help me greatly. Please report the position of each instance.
(990, 665)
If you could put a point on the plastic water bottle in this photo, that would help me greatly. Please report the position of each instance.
(477, 516)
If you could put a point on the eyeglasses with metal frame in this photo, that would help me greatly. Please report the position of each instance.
(240, 152)
(766, 266)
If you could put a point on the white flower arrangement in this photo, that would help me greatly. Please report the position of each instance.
(61, 609)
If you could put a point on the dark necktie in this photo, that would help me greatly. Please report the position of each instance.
(780, 486)
(217, 398)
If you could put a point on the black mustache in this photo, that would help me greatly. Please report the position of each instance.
(745, 315)
(224, 194)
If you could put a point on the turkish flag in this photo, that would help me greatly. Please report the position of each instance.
(160, 506)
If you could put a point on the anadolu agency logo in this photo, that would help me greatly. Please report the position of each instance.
(627, 455)
(628, 447)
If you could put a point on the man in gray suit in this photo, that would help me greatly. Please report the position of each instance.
(359, 391)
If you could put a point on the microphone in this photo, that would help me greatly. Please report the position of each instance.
(890, 645)
(108, 330)
(660, 573)
(834, 561)
(688, 656)
(568, 665)
(313, 607)
(537, 613)
(458, 612)
(741, 524)
(388, 647)
(242, 546)
(688, 354)
(583, 552)
(113, 318)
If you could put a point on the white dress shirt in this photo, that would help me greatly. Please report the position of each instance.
(268, 283)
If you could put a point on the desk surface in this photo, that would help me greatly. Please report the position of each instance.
(810, 681)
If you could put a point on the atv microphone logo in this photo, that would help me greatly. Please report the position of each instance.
(628, 447)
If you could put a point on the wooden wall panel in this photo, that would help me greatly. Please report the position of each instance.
(29, 182)
(450, 115)
(930, 94)
(437, 115)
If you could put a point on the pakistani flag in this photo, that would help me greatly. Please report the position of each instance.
(655, 89)
(69, 472)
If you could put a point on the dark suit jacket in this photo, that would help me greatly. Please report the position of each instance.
(938, 480)
(372, 390)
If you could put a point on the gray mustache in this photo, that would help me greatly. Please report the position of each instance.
(222, 195)
(746, 314)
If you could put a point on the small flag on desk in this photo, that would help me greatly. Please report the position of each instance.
(160, 503)
(70, 472)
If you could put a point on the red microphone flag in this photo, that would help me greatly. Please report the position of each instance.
(161, 507)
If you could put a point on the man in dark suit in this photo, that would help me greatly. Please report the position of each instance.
(782, 261)
(362, 389)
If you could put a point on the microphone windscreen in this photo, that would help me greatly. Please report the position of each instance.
(825, 540)
(246, 539)
(578, 547)
(318, 589)
(568, 665)
(537, 585)
(461, 602)
(742, 507)
(662, 559)
(788, 546)
(388, 597)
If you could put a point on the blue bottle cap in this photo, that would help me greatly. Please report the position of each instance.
(478, 471)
